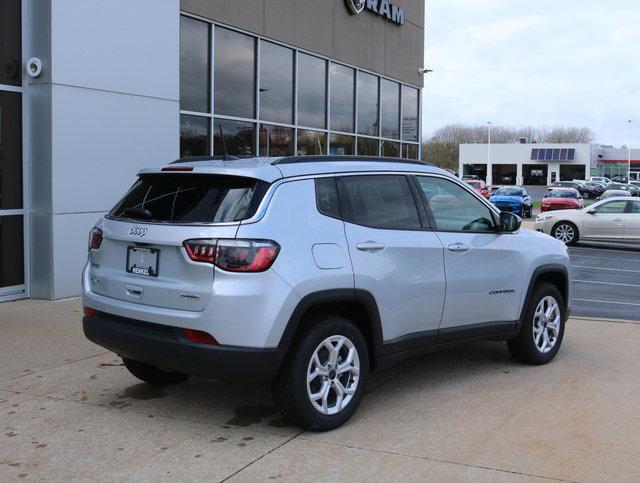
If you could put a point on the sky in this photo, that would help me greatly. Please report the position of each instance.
(535, 62)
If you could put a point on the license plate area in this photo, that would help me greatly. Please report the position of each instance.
(143, 261)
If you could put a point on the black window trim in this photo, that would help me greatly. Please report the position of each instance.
(495, 217)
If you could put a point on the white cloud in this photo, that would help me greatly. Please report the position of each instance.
(544, 63)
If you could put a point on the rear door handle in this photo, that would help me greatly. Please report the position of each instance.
(458, 247)
(369, 246)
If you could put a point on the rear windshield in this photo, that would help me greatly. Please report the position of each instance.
(191, 198)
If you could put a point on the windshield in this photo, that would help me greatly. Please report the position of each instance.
(509, 192)
(191, 198)
(561, 194)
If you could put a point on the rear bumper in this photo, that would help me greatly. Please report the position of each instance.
(165, 347)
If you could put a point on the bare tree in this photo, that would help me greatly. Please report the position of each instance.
(442, 147)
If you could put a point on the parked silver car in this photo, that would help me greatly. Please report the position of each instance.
(615, 219)
(311, 272)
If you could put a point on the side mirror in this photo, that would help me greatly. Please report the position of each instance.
(592, 211)
(509, 222)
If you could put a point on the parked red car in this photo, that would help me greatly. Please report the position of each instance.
(562, 199)
(480, 186)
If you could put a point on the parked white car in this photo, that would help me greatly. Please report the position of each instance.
(613, 219)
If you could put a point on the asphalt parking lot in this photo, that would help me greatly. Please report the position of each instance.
(70, 411)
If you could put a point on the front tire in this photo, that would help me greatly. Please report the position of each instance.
(566, 232)
(542, 329)
(152, 374)
(322, 381)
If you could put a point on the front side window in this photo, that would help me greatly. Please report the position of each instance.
(378, 201)
(453, 208)
(635, 207)
(276, 83)
(234, 73)
(611, 207)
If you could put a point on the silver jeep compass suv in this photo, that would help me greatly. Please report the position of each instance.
(311, 272)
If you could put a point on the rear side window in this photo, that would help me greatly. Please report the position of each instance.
(327, 197)
(191, 198)
(378, 201)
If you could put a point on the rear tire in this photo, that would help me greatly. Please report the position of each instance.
(566, 232)
(153, 375)
(340, 374)
(542, 329)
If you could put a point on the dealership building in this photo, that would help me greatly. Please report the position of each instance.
(92, 91)
(544, 163)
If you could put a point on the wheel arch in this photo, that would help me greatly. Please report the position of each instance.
(557, 275)
(359, 306)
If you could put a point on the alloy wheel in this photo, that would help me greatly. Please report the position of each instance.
(564, 233)
(546, 324)
(333, 374)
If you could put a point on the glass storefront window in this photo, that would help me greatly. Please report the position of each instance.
(409, 113)
(410, 151)
(234, 73)
(194, 65)
(390, 108)
(367, 147)
(367, 104)
(340, 144)
(10, 150)
(11, 251)
(342, 97)
(10, 43)
(239, 137)
(194, 136)
(311, 142)
(312, 91)
(390, 149)
(276, 83)
(276, 140)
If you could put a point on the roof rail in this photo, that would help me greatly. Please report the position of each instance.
(195, 159)
(343, 158)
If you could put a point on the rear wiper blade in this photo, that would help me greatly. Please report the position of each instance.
(139, 212)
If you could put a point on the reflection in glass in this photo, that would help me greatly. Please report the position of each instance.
(390, 108)
(276, 83)
(410, 151)
(194, 136)
(10, 150)
(276, 140)
(239, 138)
(367, 147)
(342, 102)
(311, 142)
(340, 144)
(409, 113)
(367, 104)
(194, 65)
(390, 148)
(312, 91)
(10, 43)
(11, 251)
(234, 73)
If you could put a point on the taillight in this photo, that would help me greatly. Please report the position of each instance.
(95, 238)
(234, 255)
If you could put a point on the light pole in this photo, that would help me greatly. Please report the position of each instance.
(489, 168)
(628, 150)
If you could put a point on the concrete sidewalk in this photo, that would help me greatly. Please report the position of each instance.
(70, 411)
